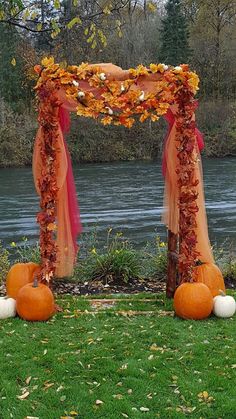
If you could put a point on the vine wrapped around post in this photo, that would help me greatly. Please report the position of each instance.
(47, 180)
(187, 183)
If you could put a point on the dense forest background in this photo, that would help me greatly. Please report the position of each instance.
(200, 32)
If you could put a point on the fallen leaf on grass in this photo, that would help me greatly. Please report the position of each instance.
(144, 409)
(203, 396)
(11, 332)
(117, 396)
(154, 347)
(47, 385)
(185, 409)
(28, 379)
(23, 396)
(99, 402)
(164, 313)
(62, 398)
(124, 367)
(73, 413)
(102, 304)
(58, 308)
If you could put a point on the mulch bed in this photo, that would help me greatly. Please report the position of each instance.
(98, 287)
(134, 286)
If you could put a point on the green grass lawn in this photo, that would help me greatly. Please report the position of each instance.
(147, 364)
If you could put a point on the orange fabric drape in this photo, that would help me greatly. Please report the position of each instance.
(171, 197)
(66, 250)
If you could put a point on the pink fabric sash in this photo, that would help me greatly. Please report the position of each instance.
(73, 207)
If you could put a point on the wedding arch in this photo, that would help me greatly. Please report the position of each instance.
(119, 97)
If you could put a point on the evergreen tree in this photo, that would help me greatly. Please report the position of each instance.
(174, 35)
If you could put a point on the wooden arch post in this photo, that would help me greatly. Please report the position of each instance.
(172, 261)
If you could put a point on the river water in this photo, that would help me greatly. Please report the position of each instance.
(126, 196)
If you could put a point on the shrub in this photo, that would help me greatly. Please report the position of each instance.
(4, 263)
(116, 266)
(116, 262)
(26, 252)
(229, 270)
(155, 259)
(225, 258)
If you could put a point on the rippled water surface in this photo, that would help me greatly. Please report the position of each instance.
(126, 196)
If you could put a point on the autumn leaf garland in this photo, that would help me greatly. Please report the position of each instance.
(47, 183)
(187, 183)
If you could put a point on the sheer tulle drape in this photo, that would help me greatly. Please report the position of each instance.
(68, 219)
(171, 193)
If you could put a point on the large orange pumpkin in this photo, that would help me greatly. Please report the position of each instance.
(35, 302)
(210, 275)
(193, 300)
(19, 275)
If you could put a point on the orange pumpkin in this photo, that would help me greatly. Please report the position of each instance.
(35, 302)
(19, 275)
(193, 300)
(210, 275)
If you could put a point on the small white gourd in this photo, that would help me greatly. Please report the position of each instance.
(7, 307)
(224, 306)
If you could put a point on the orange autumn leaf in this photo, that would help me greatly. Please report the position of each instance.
(47, 61)
(52, 227)
(107, 120)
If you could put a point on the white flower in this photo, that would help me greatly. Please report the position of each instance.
(122, 88)
(75, 83)
(102, 76)
(178, 69)
(109, 110)
(81, 95)
(165, 66)
(142, 96)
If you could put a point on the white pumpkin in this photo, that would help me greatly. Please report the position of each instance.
(224, 306)
(7, 307)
